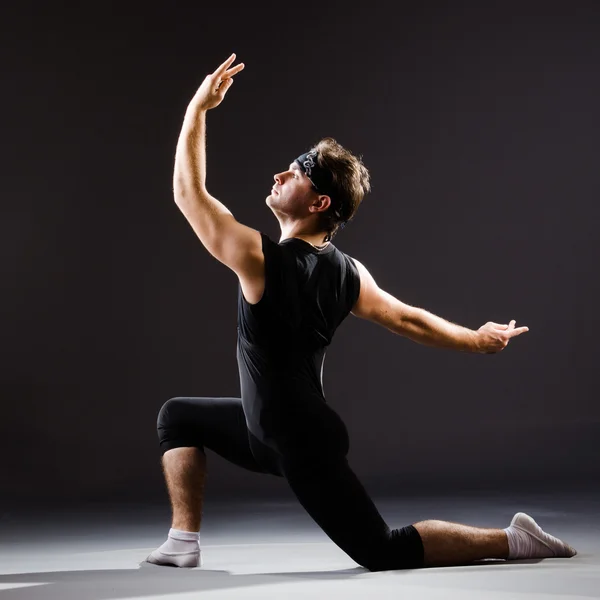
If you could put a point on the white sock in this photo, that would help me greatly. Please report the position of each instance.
(182, 549)
(526, 539)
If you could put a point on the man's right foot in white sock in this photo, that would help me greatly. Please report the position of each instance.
(182, 549)
(526, 539)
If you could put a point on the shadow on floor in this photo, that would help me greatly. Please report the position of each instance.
(152, 580)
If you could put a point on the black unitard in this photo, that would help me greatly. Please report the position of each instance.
(282, 424)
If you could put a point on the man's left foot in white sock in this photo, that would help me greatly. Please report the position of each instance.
(526, 539)
(182, 549)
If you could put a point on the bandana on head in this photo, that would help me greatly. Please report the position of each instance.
(320, 177)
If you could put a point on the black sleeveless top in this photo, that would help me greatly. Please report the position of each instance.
(283, 338)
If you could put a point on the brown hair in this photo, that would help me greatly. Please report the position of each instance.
(349, 186)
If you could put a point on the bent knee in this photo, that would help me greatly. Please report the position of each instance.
(170, 413)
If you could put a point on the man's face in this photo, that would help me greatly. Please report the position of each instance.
(292, 192)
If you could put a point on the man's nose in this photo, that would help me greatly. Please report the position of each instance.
(277, 178)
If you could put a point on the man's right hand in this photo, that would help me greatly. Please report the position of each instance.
(494, 337)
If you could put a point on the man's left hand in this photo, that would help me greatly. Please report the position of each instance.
(494, 337)
(215, 85)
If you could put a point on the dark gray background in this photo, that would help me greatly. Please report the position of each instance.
(479, 123)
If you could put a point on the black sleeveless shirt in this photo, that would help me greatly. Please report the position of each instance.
(283, 338)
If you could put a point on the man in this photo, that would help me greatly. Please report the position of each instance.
(292, 297)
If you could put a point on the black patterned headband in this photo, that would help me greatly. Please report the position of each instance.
(320, 178)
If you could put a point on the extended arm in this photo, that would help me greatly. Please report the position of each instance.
(426, 328)
(423, 327)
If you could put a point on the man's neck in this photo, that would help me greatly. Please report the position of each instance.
(313, 240)
(316, 239)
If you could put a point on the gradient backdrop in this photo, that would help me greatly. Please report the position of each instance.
(479, 123)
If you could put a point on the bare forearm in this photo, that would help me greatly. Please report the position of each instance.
(189, 176)
(428, 329)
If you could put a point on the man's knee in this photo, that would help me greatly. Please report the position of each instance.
(172, 426)
(169, 414)
(402, 550)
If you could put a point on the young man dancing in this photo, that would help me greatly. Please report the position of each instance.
(292, 297)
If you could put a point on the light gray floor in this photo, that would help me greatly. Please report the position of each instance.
(273, 550)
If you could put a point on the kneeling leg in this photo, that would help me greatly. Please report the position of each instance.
(334, 497)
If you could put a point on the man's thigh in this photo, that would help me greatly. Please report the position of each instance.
(218, 424)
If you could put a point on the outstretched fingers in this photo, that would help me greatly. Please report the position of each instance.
(511, 331)
(224, 72)
(224, 66)
(510, 328)
(518, 331)
(233, 71)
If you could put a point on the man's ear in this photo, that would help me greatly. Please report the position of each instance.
(323, 203)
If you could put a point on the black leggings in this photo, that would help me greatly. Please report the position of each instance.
(327, 488)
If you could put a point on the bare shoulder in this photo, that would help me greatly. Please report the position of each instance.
(249, 264)
(368, 296)
(235, 245)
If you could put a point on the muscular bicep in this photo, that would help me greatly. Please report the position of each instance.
(376, 305)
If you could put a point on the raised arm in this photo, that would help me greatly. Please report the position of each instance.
(376, 305)
(230, 242)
